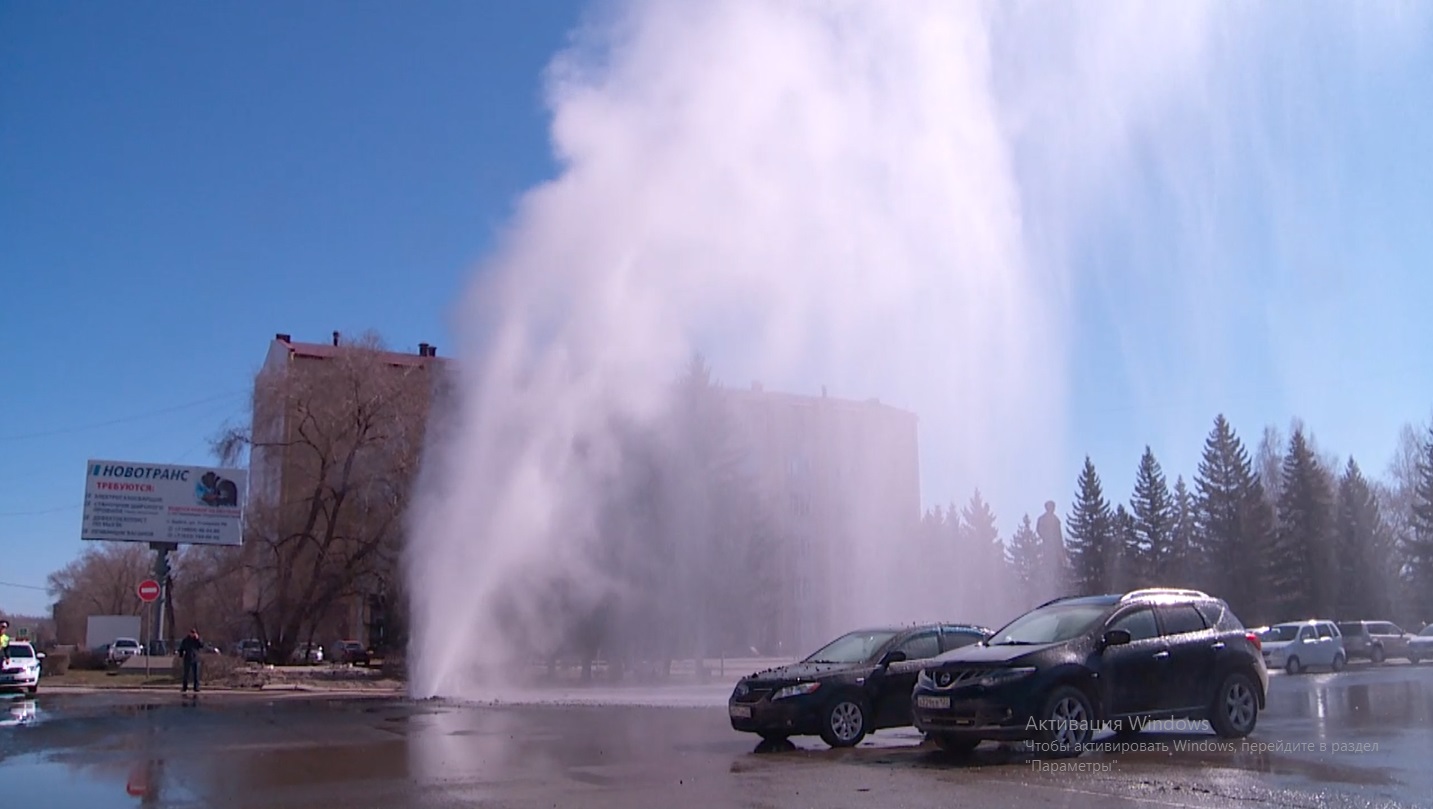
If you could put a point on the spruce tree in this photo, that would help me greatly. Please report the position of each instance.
(1229, 557)
(1129, 562)
(1088, 538)
(1301, 575)
(1026, 564)
(1183, 539)
(1418, 543)
(1153, 520)
(1364, 549)
(1259, 521)
(986, 555)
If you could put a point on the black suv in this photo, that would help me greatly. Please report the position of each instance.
(1056, 674)
(857, 683)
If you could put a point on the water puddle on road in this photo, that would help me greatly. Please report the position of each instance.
(20, 713)
(35, 780)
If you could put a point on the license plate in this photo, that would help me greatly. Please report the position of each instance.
(741, 711)
(938, 703)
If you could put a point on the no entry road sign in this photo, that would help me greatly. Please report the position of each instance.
(148, 590)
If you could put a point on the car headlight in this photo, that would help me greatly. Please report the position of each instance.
(923, 680)
(742, 689)
(1002, 676)
(798, 690)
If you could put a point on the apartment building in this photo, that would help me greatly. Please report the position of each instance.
(839, 479)
(295, 385)
(842, 481)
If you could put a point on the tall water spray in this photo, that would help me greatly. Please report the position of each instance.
(809, 193)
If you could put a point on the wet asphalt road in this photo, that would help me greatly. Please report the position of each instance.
(1375, 726)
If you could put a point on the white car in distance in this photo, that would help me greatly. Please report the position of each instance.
(1296, 645)
(22, 667)
(123, 649)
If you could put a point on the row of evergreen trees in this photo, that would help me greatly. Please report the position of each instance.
(1286, 538)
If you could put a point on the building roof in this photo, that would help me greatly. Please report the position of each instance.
(759, 392)
(426, 355)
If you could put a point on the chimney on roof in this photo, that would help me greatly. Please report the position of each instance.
(432, 351)
(335, 338)
(283, 338)
(422, 349)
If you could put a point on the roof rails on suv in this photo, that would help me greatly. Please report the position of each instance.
(1133, 594)
(1163, 591)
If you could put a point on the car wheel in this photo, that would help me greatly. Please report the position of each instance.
(955, 745)
(1067, 721)
(1294, 666)
(1377, 655)
(34, 689)
(845, 722)
(1236, 707)
(1338, 662)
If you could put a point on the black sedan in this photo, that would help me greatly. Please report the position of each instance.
(854, 685)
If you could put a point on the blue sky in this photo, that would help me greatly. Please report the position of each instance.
(179, 183)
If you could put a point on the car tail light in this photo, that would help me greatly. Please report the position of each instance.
(1254, 639)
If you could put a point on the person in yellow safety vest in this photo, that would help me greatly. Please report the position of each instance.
(5, 640)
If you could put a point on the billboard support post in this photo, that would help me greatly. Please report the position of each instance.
(161, 575)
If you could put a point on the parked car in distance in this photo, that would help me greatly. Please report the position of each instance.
(251, 650)
(1373, 640)
(22, 668)
(1061, 671)
(1420, 646)
(1296, 645)
(852, 686)
(350, 651)
(307, 654)
(123, 649)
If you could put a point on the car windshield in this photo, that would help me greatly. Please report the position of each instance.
(1051, 624)
(853, 647)
(1279, 634)
(16, 650)
(126, 644)
(1427, 631)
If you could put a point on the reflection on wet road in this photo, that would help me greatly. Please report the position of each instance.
(1356, 738)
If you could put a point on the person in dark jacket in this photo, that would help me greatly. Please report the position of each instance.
(189, 650)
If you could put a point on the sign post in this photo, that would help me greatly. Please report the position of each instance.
(148, 592)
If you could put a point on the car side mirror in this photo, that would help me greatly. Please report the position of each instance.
(39, 655)
(893, 656)
(1117, 637)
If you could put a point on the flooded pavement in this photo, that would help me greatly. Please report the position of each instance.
(1357, 738)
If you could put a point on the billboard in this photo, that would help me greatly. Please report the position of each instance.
(142, 502)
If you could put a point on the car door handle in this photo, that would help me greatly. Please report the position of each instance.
(1217, 646)
(1160, 655)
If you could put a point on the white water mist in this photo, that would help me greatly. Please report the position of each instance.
(811, 194)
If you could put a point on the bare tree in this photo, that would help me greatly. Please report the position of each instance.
(207, 592)
(102, 580)
(333, 450)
